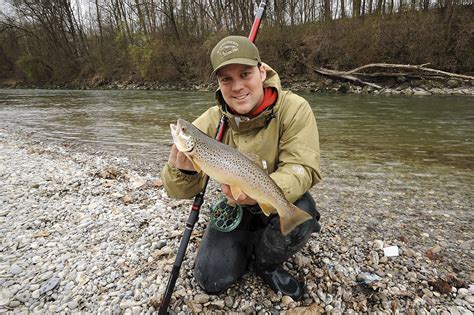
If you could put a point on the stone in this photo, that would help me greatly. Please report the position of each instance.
(201, 298)
(229, 301)
(219, 304)
(36, 294)
(15, 269)
(462, 292)
(378, 245)
(453, 83)
(286, 300)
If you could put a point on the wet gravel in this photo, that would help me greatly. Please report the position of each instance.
(88, 232)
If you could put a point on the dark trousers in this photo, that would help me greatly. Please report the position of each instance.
(223, 257)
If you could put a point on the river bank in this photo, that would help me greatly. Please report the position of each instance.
(86, 231)
(318, 84)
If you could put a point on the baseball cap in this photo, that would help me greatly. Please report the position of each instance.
(234, 49)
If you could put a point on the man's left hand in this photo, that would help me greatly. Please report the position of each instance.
(243, 199)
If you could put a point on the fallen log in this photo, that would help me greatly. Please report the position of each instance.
(415, 67)
(337, 74)
(352, 75)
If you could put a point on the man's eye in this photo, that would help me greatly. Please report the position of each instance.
(245, 74)
(224, 80)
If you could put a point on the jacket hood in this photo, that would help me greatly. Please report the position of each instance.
(243, 123)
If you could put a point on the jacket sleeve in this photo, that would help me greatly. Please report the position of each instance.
(299, 156)
(178, 184)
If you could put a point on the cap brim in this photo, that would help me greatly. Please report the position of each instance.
(242, 61)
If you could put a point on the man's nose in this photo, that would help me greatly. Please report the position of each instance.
(237, 85)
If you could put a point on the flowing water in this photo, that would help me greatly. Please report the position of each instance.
(428, 131)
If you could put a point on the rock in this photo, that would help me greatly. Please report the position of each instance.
(378, 245)
(219, 304)
(286, 300)
(49, 285)
(471, 288)
(411, 276)
(420, 92)
(469, 299)
(401, 79)
(462, 292)
(374, 259)
(136, 182)
(302, 261)
(125, 304)
(201, 298)
(15, 269)
(453, 83)
(343, 88)
(229, 301)
(36, 294)
(72, 305)
(465, 245)
(436, 249)
(5, 296)
(307, 310)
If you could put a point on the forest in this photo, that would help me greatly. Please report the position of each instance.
(69, 42)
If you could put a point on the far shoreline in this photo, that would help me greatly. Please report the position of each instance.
(398, 86)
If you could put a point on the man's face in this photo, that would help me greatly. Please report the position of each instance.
(242, 86)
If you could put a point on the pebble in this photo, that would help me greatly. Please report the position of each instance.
(378, 244)
(286, 300)
(15, 269)
(35, 294)
(201, 298)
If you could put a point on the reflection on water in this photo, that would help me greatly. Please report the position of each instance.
(385, 129)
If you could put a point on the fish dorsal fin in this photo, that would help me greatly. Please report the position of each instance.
(266, 208)
(253, 157)
(235, 191)
(196, 166)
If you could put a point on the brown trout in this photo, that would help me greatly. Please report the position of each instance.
(229, 166)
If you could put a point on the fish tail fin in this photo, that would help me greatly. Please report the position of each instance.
(295, 217)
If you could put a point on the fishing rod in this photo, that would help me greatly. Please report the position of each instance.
(199, 198)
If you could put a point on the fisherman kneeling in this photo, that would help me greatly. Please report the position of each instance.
(280, 129)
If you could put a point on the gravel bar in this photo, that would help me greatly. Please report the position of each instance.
(88, 232)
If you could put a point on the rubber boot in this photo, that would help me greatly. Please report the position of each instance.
(280, 280)
(272, 249)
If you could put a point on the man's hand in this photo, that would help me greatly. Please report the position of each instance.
(179, 160)
(243, 199)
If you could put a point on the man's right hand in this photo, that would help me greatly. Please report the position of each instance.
(179, 160)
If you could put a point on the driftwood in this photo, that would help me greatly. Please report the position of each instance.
(343, 75)
(421, 72)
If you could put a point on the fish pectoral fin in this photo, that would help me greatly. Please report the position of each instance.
(235, 191)
(266, 208)
(196, 166)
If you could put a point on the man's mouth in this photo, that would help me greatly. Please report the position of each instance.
(241, 97)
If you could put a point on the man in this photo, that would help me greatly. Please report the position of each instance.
(279, 128)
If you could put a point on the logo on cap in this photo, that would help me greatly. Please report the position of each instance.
(227, 48)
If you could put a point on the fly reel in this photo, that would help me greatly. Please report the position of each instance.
(225, 217)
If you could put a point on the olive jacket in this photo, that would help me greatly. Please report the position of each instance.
(284, 137)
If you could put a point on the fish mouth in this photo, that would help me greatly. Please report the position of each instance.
(182, 141)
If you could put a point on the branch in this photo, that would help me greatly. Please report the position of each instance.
(416, 67)
(343, 75)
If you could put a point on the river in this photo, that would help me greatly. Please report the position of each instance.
(427, 131)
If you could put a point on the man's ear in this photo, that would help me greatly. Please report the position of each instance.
(263, 72)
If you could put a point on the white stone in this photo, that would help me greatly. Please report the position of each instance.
(378, 245)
